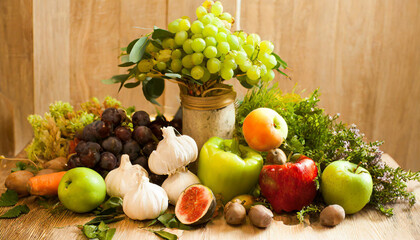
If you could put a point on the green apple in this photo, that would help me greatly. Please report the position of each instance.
(81, 190)
(346, 184)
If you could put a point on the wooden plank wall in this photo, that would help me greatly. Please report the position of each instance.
(16, 75)
(363, 55)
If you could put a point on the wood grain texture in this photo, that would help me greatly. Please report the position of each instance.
(367, 224)
(51, 53)
(363, 55)
(94, 44)
(98, 30)
(16, 75)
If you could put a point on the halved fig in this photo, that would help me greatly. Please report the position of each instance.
(195, 205)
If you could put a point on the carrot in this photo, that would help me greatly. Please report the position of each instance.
(45, 185)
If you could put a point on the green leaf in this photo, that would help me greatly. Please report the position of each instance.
(112, 202)
(110, 234)
(19, 166)
(8, 198)
(173, 75)
(126, 64)
(101, 231)
(153, 89)
(16, 211)
(120, 78)
(245, 84)
(131, 44)
(165, 235)
(170, 221)
(125, 58)
(132, 85)
(161, 34)
(104, 218)
(102, 227)
(282, 73)
(111, 206)
(280, 62)
(109, 81)
(138, 49)
(157, 43)
(151, 223)
(90, 231)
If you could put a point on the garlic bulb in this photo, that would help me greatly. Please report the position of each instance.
(147, 201)
(172, 152)
(124, 178)
(175, 184)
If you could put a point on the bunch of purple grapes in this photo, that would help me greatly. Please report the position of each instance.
(104, 141)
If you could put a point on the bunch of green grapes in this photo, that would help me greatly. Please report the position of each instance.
(206, 49)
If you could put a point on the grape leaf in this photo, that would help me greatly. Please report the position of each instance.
(8, 198)
(153, 89)
(126, 64)
(16, 211)
(138, 49)
(132, 84)
(109, 81)
(131, 44)
(161, 34)
(157, 44)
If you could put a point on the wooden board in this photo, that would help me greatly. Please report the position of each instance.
(363, 55)
(16, 75)
(368, 224)
(51, 53)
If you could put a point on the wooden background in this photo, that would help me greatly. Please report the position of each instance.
(364, 55)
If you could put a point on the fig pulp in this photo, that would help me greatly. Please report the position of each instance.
(195, 205)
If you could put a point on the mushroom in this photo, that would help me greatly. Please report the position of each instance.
(260, 216)
(276, 156)
(235, 213)
(332, 215)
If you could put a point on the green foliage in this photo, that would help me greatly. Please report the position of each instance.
(8, 198)
(106, 213)
(153, 89)
(111, 206)
(165, 235)
(101, 231)
(170, 221)
(15, 211)
(324, 139)
(308, 210)
(138, 50)
(161, 34)
(53, 131)
(23, 166)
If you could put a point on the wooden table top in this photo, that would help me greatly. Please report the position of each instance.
(40, 223)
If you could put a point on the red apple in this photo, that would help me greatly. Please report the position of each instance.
(290, 186)
(264, 129)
